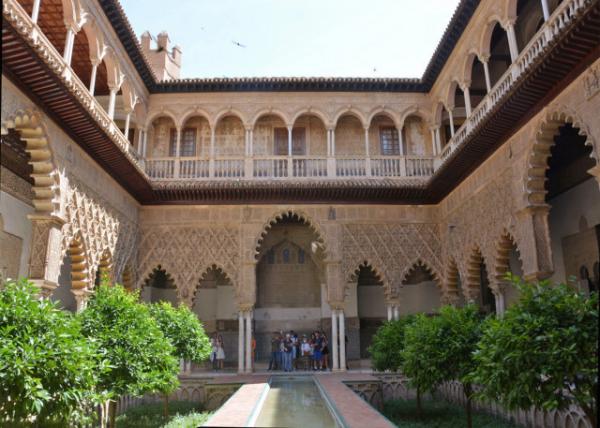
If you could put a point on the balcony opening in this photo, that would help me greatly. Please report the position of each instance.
(500, 59)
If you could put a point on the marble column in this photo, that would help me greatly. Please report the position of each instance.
(240, 342)
(545, 10)
(389, 312)
(486, 72)
(342, 340)
(35, 13)
(512, 42)
(451, 122)
(334, 340)
(95, 65)
(112, 101)
(69, 43)
(249, 367)
(396, 312)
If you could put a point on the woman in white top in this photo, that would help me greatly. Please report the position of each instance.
(220, 352)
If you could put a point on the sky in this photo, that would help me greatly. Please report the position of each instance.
(342, 38)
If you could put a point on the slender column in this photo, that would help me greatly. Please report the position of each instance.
(251, 142)
(451, 122)
(486, 71)
(342, 340)
(240, 342)
(111, 102)
(69, 42)
(95, 65)
(140, 144)
(400, 141)
(389, 311)
(35, 13)
(334, 340)
(81, 298)
(499, 297)
(367, 154)
(127, 123)
(433, 145)
(396, 312)
(438, 139)
(178, 143)
(331, 166)
(211, 161)
(145, 145)
(290, 128)
(328, 142)
(249, 341)
(247, 142)
(333, 142)
(512, 42)
(545, 10)
(467, 97)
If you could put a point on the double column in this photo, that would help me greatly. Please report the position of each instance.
(393, 311)
(245, 363)
(338, 337)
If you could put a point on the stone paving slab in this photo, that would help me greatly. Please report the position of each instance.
(237, 410)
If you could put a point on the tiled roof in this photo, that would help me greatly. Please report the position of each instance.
(456, 26)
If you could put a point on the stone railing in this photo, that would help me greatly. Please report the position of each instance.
(566, 12)
(284, 167)
(34, 36)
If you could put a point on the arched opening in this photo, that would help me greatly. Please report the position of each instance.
(479, 290)
(420, 292)
(384, 139)
(446, 131)
(195, 137)
(214, 305)
(574, 199)
(530, 18)
(104, 269)
(371, 305)
(459, 112)
(289, 281)
(500, 58)
(454, 288)
(416, 137)
(80, 62)
(230, 136)
(73, 276)
(51, 21)
(162, 142)
(159, 287)
(478, 88)
(270, 136)
(349, 136)
(508, 260)
(309, 136)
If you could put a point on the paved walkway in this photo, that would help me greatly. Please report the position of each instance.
(355, 412)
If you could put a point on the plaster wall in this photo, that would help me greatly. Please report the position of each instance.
(16, 234)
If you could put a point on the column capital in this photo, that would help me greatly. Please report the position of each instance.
(336, 306)
(54, 219)
(245, 307)
(465, 85)
(532, 210)
(484, 58)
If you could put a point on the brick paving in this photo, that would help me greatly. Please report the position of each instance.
(355, 412)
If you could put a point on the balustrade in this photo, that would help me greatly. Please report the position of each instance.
(550, 30)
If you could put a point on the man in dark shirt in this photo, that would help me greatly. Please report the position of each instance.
(275, 343)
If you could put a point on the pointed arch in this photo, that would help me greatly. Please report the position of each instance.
(104, 268)
(95, 37)
(486, 36)
(452, 281)
(473, 275)
(451, 94)
(504, 245)
(128, 277)
(537, 163)
(419, 263)
(212, 267)
(320, 243)
(467, 68)
(46, 187)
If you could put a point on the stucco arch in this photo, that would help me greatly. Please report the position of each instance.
(128, 276)
(129, 95)
(105, 265)
(191, 113)
(350, 111)
(310, 111)
(537, 162)
(467, 70)
(452, 279)
(504, 245)
(72, 13)
(230, 112)
(268, 112)
(152, 116)
(94, 36)
(79, 263)
(414, 111)
(46, 187)
(113, 69)
(486, 35)
(383, 111)
(438, 111)
(210, 266)
(510, 10)
(450, 101)
(420, 263)
(472, 280)
(321, 243)
(352, 275)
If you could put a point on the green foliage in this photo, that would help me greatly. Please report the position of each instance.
(183, 329)
(438, 414)
(140, 357)
(543, 352)
(388, 343)
(48, 369)
(185, 415)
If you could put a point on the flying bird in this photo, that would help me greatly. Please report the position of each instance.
(238, 44)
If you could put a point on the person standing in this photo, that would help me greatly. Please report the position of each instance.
(220, 352)
(324, 352)
(213, 352)
(317, 351)
(287, 353)
(273, 362)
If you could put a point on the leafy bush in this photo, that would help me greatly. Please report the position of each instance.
(185, 415)
(388, 343)
(543, 352)
(48, 369)
(140, 357)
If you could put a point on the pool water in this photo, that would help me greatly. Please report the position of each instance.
(295, 402)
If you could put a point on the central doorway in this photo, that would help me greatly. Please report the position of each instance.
(289, 282)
